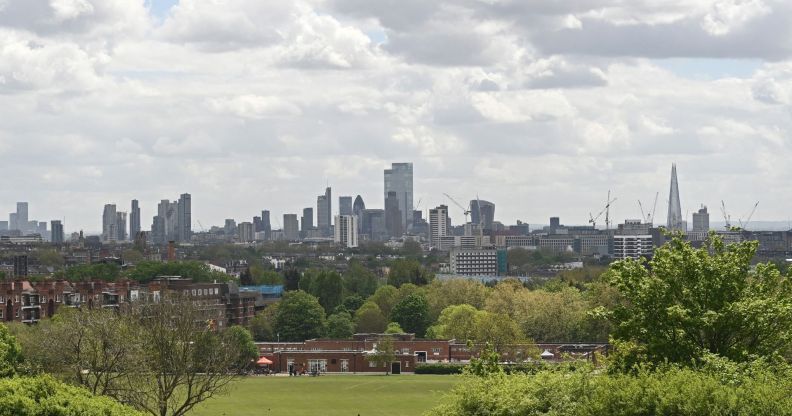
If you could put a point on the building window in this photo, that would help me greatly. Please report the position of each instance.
(436, 351)
(405, 351)
(372, 364)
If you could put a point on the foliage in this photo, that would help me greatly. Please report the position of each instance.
(256, 276)
(455, 322)
(386, 298)
(50, 258)
(108, 272)
(328, 287)
(291, 277)
(360, 280)
(412, 314)
(689, 302)
(670, 391)
(370, 319)
(497, 330)
(394, 328)
(352, 303)
(299, 317)
(444, 293)
(486, 364)
(340, 326)
(197, 271)
(439, 368)
(241, 347)
(408, 271)
(262, 326)
(383, 354)
(10, 353)
(43, 395)
(530, 260)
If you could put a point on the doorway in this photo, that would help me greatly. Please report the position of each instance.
(395, 368)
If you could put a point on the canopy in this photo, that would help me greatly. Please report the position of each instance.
(263, 361)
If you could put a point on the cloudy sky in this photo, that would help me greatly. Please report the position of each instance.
(540, 106)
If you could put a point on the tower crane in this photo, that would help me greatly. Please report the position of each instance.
(726, 217)
(648, 217)
(606, 211)
(744, 225)
(466, 211)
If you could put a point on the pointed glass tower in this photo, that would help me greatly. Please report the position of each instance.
(675, 221)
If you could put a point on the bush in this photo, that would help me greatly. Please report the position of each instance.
(44, 395)
(672, 391)
(441, 369)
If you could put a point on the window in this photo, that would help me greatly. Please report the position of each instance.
(193, 292)
(405, 351)
(372, 364)
(436, 351)
(406, 364)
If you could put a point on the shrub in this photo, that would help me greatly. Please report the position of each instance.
(442, 369)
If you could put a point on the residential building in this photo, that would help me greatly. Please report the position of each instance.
(121, 221)
(184, 219)
(245, 232)
(266, 226)
(134, 220)
(438, 225)
(158, 233)
(399, 181)
(478, 262)
(291, 228)
(346, 233)
(109, 223)
(632, 246)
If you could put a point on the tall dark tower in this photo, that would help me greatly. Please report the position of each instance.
(675, 221)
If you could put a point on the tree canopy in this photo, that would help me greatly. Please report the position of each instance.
(299, 317)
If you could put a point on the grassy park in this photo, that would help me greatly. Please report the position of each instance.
(330, 395)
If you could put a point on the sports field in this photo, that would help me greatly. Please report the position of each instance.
(331, 395)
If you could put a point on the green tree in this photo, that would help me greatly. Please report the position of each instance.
(262, 326)
(386, 298)
(241, 346)
(44, 395)
(352, 303)
(688, 302)
(10, 353)
(383, 353)
(412, 314)
(370, 319)
(497, 330)
(443, 293)
(300, 317)
(49, 258)
(456, 322)
(360, 280)
(408, 271)
(394, 328)
(340, 326)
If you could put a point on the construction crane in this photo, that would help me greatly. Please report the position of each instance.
(648, 218)
(465, 210)
(744, 225)
(726, 216)
(606, 211)
(201, 225)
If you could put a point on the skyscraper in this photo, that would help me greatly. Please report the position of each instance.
(134, 219)
(399, 179)
(12, 221)
(109, 223)
(184, 220)
(121, 222)
(57, 232)
(306, 221)
(344, 205)
(346, 231)
(675, 220)
(291, 228)
(438, 225)
(158, 232)
(393, 216)
(324, 209)
(701, 220)
(245, 232)
(357, 210)
(266, 226)
(482, 212)
(23, 223)
(373, 224)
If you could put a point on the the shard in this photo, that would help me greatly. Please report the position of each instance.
(675, 221)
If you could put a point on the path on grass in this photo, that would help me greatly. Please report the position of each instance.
(331, 396)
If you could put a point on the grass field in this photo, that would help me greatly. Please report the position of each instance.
(330, 395)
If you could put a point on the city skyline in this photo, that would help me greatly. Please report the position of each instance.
(544, 107)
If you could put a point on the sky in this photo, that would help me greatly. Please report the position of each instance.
(539, 106)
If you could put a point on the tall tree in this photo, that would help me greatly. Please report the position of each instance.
(386, 298)
(262, 326)
(408, 271)
(370, 319)
(687, 302)
(456, 322)
(300, 317)
(328, 287)
(412, 314)
(340, 326)
(360, 280)
(497, 330)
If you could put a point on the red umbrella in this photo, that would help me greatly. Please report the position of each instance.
(263, 361)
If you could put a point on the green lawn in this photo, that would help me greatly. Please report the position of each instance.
(330, 395)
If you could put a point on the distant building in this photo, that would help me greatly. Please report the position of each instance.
(56, 236)
(438, 225)
(344, 205)
(184, 219)
(393, 216)
(230, 227)
(399, 181)
(158, 233)
(20, 266)
(675, 221)
(478, 262)
(266, 225)
(306, 222)
(632, 246)
(3, 225)
(346, 233)
(701, 220)
(291, 228)
(324, 209)
(134, 219)
(482, 212)
(109, 223)
(373, 225)
(121, 221)
(358, 206)
(245, 232)
(23, 222)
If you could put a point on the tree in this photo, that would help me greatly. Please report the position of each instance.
(408, 271)
(370, 319)
(412, 314)
(50, 258)
(340, 326)
(456, 322)
(443, 293)
(687, 302)
(360, 280)
(328, 287)
(292, 278)
(241, 346)
(132, 256)
(383, 353)
(262, 326)
(256, 275)
(386, 298)
(497, 330)
(10, 353)
(300, 317)
(44, 395)
(352, 303)
(394, 328)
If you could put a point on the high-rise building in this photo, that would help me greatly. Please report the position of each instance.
(230, 227)
(346, 233)
(632, 246)
(56, 232)
(121, 222)
(701, 220)
(245, 232)
(3, 225)
(109, 223)
(134, 220)
(324, 209)
(373, 224)
(482, 212)
(306, 221)
(344, 205)
(184, 218)
(438, 225)
(20, 266)
(12, 221)
(266, 226)
(675, 220)
(170, 212)
(23, 222)
(399, 180)
(158, 233)
(291, 228)
(393, 216)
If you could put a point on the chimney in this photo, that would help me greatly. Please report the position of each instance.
(171, 251)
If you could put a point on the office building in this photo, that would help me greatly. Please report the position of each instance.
(478, 262)
(482, 212)
(346, 234)
(170, 212)
(4, 226)
(675, 221)
(23, 222)
(632, 246)
(393, 216)
(399, 180)
(12, 221)
(291, 228)
(134, 220)
(306, 221)
(109, 223)
(121, 223)
(245, 232)
(373, 225)
(701, 220)
(184, 219)
(56, 232)
(158, 233)
(344, 205)
(230, 227)
(358, 206)
(438, 225)
(266, 226)
(324, 209)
